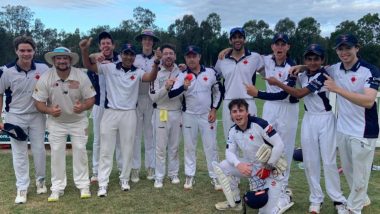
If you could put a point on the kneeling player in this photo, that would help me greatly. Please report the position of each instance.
(261, 164)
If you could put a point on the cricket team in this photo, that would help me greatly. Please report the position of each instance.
(148, 96)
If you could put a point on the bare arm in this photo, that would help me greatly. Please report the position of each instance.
(54, 111)
(295, 92)
(79, 107)
(151, 76)
(84, 46)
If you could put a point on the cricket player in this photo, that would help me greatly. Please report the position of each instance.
(65, 93)
(317, 131)
(280, 109)
(238, 67)
(144, 61)
(107, 55)
(122, 82)
(167, 118)
(17, 81)
(202, 97)
(247, 137)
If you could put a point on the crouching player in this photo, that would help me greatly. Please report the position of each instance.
(262, 163)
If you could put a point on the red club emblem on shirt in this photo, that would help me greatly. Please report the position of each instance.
(353, 79)
(205, 79)
(245, 62)
(280, 74)
(37, 76)
(132, 77)
(251, 137)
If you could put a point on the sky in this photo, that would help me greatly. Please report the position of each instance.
(86, 14)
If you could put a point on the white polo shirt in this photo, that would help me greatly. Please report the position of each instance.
(52, 89)
(122, 86)
(203, 93)
(355, 120)
(159, 94)
(249, 141)
(318, 99)
(18, 86)
(146, 64)
(235, 73)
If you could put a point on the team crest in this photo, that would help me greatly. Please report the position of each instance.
(245, 62)
(37, 76)
(353, 79)
(132, 77)
(251, 137)
(205, 79)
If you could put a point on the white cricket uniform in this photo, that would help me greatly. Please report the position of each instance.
(64, 93)
(99, 84)
(235, 75)
(202, 95)
(18, 86)
(167, 124)
(119, 119)
(248, 142)
(144, 117)
(357, 129)
(280, 109)
(318, 139)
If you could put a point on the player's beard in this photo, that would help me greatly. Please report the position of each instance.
(62, 67)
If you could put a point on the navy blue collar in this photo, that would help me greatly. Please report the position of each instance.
(203, 69)
(354, 68)
(148, 56)
(250, 120)
(19, 69)
(114, 58)
(279, 65)
(246, 53)
(119, 66)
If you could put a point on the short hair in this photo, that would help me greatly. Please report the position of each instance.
(169, 46)
(239, 103)
(24, 39)
(314, 54)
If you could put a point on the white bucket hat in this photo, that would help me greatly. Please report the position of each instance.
(61, 51)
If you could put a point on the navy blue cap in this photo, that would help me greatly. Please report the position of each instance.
(256, 199)
(280, 36)
(346, 39)
(104, 35)
(15, 132)
(127, 47)
(192, 49)
(235, 30)
(315, 49)
(297, 155)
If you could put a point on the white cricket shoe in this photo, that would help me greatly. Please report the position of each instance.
(54, 196)
(315, 208)
(135, 175)
(189, 183)
(341, 209)
(21, 196)
(102, 191)
(158, 183)
(284, 203)
(174, 179)
(367, 202)
(85, 193)
(41, 187)
(124, 185)
(216, 184)
(226, 206)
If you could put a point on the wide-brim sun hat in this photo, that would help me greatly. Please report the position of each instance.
(147, 32)
(61, 51)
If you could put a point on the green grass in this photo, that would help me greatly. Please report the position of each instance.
(143, 198)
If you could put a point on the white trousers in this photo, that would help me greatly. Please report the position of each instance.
(318, 142)
(58, 133)
(356, 155)
(122, 123)
(97, 114)
(167, 135)
(284, 118)
(144, 128)
(275, 185)
(226, 116)
(34, 125)
(191, 124)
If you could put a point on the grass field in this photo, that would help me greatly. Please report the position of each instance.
(144, 198)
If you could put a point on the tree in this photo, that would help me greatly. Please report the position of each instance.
(369, 29)
(16, 19)
(144, 18)
(259, 35)
(286, 26)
